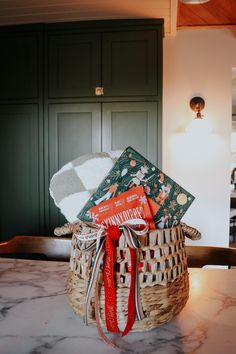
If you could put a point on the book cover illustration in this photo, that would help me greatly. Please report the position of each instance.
(132, 204)
(167, 199)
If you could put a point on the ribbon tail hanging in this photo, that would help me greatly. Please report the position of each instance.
(106, 253)
(109, 285)
(93, 278)
(131, 300)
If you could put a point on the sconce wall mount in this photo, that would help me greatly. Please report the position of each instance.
(197, 104)
(198, 125)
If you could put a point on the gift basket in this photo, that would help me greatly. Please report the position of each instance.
(128, 266)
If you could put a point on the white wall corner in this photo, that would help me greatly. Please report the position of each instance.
(173, 17)
(200, 62)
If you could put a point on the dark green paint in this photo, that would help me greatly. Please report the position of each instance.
(19, 67)
(74, 130)
(130, 123)
(20, 173)
(130, 63)
(49, 113)
(74, 65)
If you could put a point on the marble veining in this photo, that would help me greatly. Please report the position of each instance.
(35, 317)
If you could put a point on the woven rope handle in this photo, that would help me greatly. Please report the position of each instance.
(66, 229)
(191, 232)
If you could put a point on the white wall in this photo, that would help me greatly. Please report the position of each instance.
(234, 89)
(199, 63)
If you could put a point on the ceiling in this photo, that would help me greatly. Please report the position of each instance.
(215, 13)
(44, 11)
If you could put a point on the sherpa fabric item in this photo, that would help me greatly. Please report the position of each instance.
(72, 186)
(167, 199)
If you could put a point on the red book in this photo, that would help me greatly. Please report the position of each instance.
(132, 204)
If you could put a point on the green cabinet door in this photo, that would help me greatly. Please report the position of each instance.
(129, 63)
(74, 130)
(74, 64)
(130, 124)
(20, 171)
(19, 66)
(124, 63)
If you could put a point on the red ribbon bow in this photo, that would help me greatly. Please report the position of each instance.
(104, 240)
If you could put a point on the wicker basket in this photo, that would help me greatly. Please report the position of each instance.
(163, 278)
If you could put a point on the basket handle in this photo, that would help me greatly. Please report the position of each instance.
(68, 228)
(191, 232)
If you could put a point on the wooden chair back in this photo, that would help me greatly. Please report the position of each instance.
(58, 249)
(199, 256)
(37, 247)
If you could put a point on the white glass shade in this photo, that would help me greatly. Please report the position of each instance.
(199, 126)
(194, 2)
(233, 142)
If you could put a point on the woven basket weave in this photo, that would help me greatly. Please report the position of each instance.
(163, 279)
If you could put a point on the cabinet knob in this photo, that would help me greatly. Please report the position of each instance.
(99, 91)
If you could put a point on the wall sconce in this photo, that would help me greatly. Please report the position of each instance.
(197, 104)
(198, 124)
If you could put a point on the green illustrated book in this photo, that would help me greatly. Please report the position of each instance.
(167, 199)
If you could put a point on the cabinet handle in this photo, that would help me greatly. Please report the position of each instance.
(99, 91)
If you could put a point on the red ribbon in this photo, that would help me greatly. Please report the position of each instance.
(131, 305)
(113, 233)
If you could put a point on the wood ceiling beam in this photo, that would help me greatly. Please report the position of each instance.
(213, 14)
(205, 27)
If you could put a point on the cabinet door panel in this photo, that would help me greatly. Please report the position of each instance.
(19, 66)
(19, 177)
(74, 130)
(131, 124)
(130, 63)
(74, 65)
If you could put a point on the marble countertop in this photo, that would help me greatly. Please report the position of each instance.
(35, 317)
